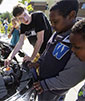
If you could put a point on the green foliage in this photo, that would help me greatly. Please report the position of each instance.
(80, 93)
(2, 30)
(29, 6)
(23, 1)
(6, 15)
(1, 27)
(9, 27)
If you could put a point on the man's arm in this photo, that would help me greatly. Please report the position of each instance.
(15, 50)
(40, 39)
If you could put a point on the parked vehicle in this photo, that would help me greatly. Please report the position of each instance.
(15, 80)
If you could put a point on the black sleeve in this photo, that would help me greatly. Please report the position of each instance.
(40, 22)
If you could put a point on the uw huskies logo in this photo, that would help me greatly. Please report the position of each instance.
(60, 50)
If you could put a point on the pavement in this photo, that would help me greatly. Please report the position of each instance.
(72, 93)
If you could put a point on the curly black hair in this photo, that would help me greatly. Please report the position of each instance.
(79, 28)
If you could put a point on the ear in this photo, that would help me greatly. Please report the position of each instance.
(72, 15)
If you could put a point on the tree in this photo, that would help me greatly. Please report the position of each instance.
(27, 3)
(6, 15)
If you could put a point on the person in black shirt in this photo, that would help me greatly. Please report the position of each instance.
(37, 22)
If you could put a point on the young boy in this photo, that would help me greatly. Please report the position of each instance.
(59, 68)
(77, 38)
(37, 22)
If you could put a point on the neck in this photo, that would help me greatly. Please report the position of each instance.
(17, 27)
(69, 26)
(30, 18)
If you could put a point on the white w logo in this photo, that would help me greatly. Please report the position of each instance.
(60, 50)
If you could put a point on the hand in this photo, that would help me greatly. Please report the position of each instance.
(9, 35)
(7, 62)
(27, 58)
(35, 65)
(37, 87)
